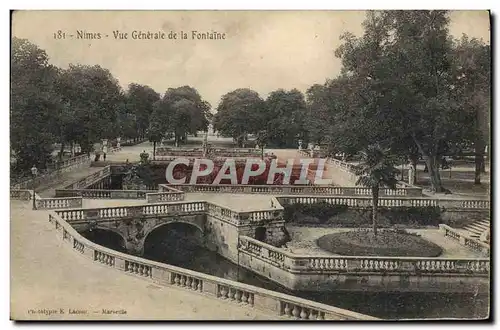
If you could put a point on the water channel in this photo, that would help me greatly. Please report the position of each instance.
(180, 246)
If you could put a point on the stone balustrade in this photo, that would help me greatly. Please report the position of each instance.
(108, 213)
(165, 196)
(469, 242)
(247, 296)
(198, 152)
(58, 203)
(223, 213)
(274, 212)
(43, 203)
(65, 166)
(20, 194)
(389, 202)
(175, 208)
(294, 190)
(306, 264)
(91, 179)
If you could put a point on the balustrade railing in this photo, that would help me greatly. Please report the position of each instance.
(44, 203)
(388, 202)
(462, 238)
(91, 179)
(223, 213)
(161, 197)
(246, 296)
(58, 203)
(294, 190)
(356, 264)
(108, 213)
(198, 152)
(20, 194)
(64, 166)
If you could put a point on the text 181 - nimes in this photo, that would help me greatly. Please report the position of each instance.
(142, 35)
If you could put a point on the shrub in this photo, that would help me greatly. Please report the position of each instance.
(323, 213)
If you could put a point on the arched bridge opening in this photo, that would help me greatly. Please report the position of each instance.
(176, 243)
(106, 238)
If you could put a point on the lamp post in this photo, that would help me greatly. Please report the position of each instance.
(34, 172)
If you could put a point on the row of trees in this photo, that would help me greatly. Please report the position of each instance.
(405, 85)
(279, 120)
(85, 104)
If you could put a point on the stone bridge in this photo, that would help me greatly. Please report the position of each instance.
(219, 226)
(135, 228)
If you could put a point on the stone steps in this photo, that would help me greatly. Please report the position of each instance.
(477, 228)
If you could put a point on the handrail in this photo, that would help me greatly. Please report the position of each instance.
(359, 201)
(46, 203)
(90, 179)
(469, 242)
(312, 263)
(65, 166)
(219, 288)
(296, 189)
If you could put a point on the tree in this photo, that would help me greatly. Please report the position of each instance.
(140, 100)
(262, 140)
(93, 99)
(472, 89)
(189, 113)
(155, 132)
(33, 99)
(318, 117)
(285, 115)
(240, 112)
(403, 71)
(429, 111)
(376, 169)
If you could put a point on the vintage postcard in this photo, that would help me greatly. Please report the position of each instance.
(250, 165)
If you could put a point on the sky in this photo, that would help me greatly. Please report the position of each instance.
(264, 50)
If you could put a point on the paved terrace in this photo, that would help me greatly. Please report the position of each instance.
(45, 276)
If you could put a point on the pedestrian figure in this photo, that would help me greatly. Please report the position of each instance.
(411, 175)
(104, 156)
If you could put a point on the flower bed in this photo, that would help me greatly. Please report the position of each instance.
(387, 243)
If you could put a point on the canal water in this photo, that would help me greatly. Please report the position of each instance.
(180, 246)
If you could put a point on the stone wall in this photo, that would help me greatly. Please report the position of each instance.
(221, 237)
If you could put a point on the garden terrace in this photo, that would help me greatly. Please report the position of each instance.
(358, 273)
(250, 297)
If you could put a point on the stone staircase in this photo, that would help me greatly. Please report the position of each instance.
(476, 229)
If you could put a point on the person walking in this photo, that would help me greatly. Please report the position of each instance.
(104, 152)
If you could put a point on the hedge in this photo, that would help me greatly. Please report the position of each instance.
(323, 213)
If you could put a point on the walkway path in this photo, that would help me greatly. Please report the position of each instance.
(236, 202)
(304, 241)
(45, 275)
(48, 189)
